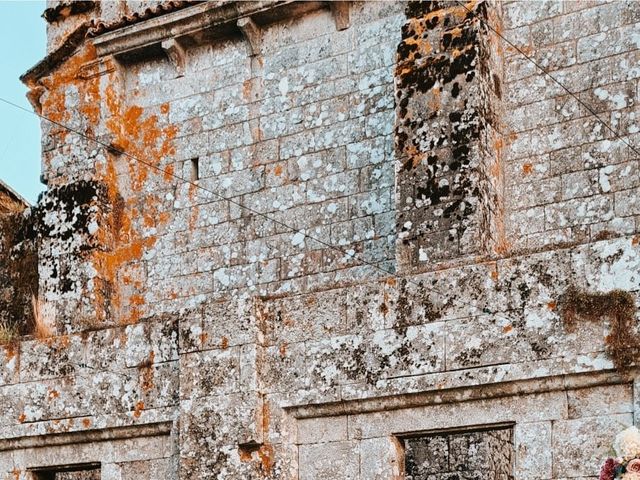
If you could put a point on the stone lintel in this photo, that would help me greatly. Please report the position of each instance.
(461, 394)
(87, 436)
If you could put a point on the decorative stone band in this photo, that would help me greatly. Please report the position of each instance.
(205, 22)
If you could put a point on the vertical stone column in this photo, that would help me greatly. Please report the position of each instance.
(448, 174)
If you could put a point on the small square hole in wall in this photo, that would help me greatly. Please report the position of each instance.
(194, 169)
(479, 454)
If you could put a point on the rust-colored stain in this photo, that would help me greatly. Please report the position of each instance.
(278, 170)
(245, 454)
(635, 240)
(16, 473)
(551, 305)
(283, 349)
(224, 342)
(53, 394)
(203, 337)
(527, 168)
(384, 308)
(86, 423)
(507, 328)
(266, 416)
(22, 417)
(266, 458)
(10, 351)
(494, 274)
(246, 89)
(138, 409)
(146, 373)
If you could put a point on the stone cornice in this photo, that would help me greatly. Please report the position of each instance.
(197, 24)
(193, 24)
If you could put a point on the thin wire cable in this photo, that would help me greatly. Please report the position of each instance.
(558, 82)
(241, 205)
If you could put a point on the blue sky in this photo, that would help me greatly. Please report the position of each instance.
(22, 44)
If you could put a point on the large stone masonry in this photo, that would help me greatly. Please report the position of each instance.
(297, 317)
(448, 97)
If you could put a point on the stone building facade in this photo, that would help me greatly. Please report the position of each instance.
(322, 240)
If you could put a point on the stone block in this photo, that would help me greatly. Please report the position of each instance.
(580, 445)
(329, 460)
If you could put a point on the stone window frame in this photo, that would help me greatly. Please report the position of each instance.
(399, 439)
(49, 472)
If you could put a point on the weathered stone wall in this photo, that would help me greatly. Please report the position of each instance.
(223, 344)
(18, 273)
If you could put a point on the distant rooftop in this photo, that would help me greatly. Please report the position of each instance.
(10, 200)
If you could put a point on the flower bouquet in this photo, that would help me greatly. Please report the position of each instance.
(626, 464)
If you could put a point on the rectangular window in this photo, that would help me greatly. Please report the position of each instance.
(478, 454)
(195, 169)
(71, 472)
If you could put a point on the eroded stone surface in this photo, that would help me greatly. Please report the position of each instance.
(397, 210)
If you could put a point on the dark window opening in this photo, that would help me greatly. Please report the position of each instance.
(69, 472)
(473, 454)
(195, 169)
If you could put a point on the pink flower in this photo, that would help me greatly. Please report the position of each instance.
(608, 470)
(633, 466)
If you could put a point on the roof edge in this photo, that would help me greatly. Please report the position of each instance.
(57, 56)
(13, 194)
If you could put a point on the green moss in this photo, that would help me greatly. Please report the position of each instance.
(9, 332)
(623, 342)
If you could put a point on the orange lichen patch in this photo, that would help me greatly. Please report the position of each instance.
(434, 102)
(494, 274)
(169, 172)
(136, 300)
(140, 137)
(527, 168)
(10, 351)
(60, 342)
(138, 409)
(146, 378)
(22, 417)
(67, 75)
(266, 458)
(278, 170)
(53, 394)
(458, 11)
(86, 423)
(224, 342)
(203, 337)
(16, 473)
(507, 328)
(552, 305)
(391, 282)
(635, 240)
